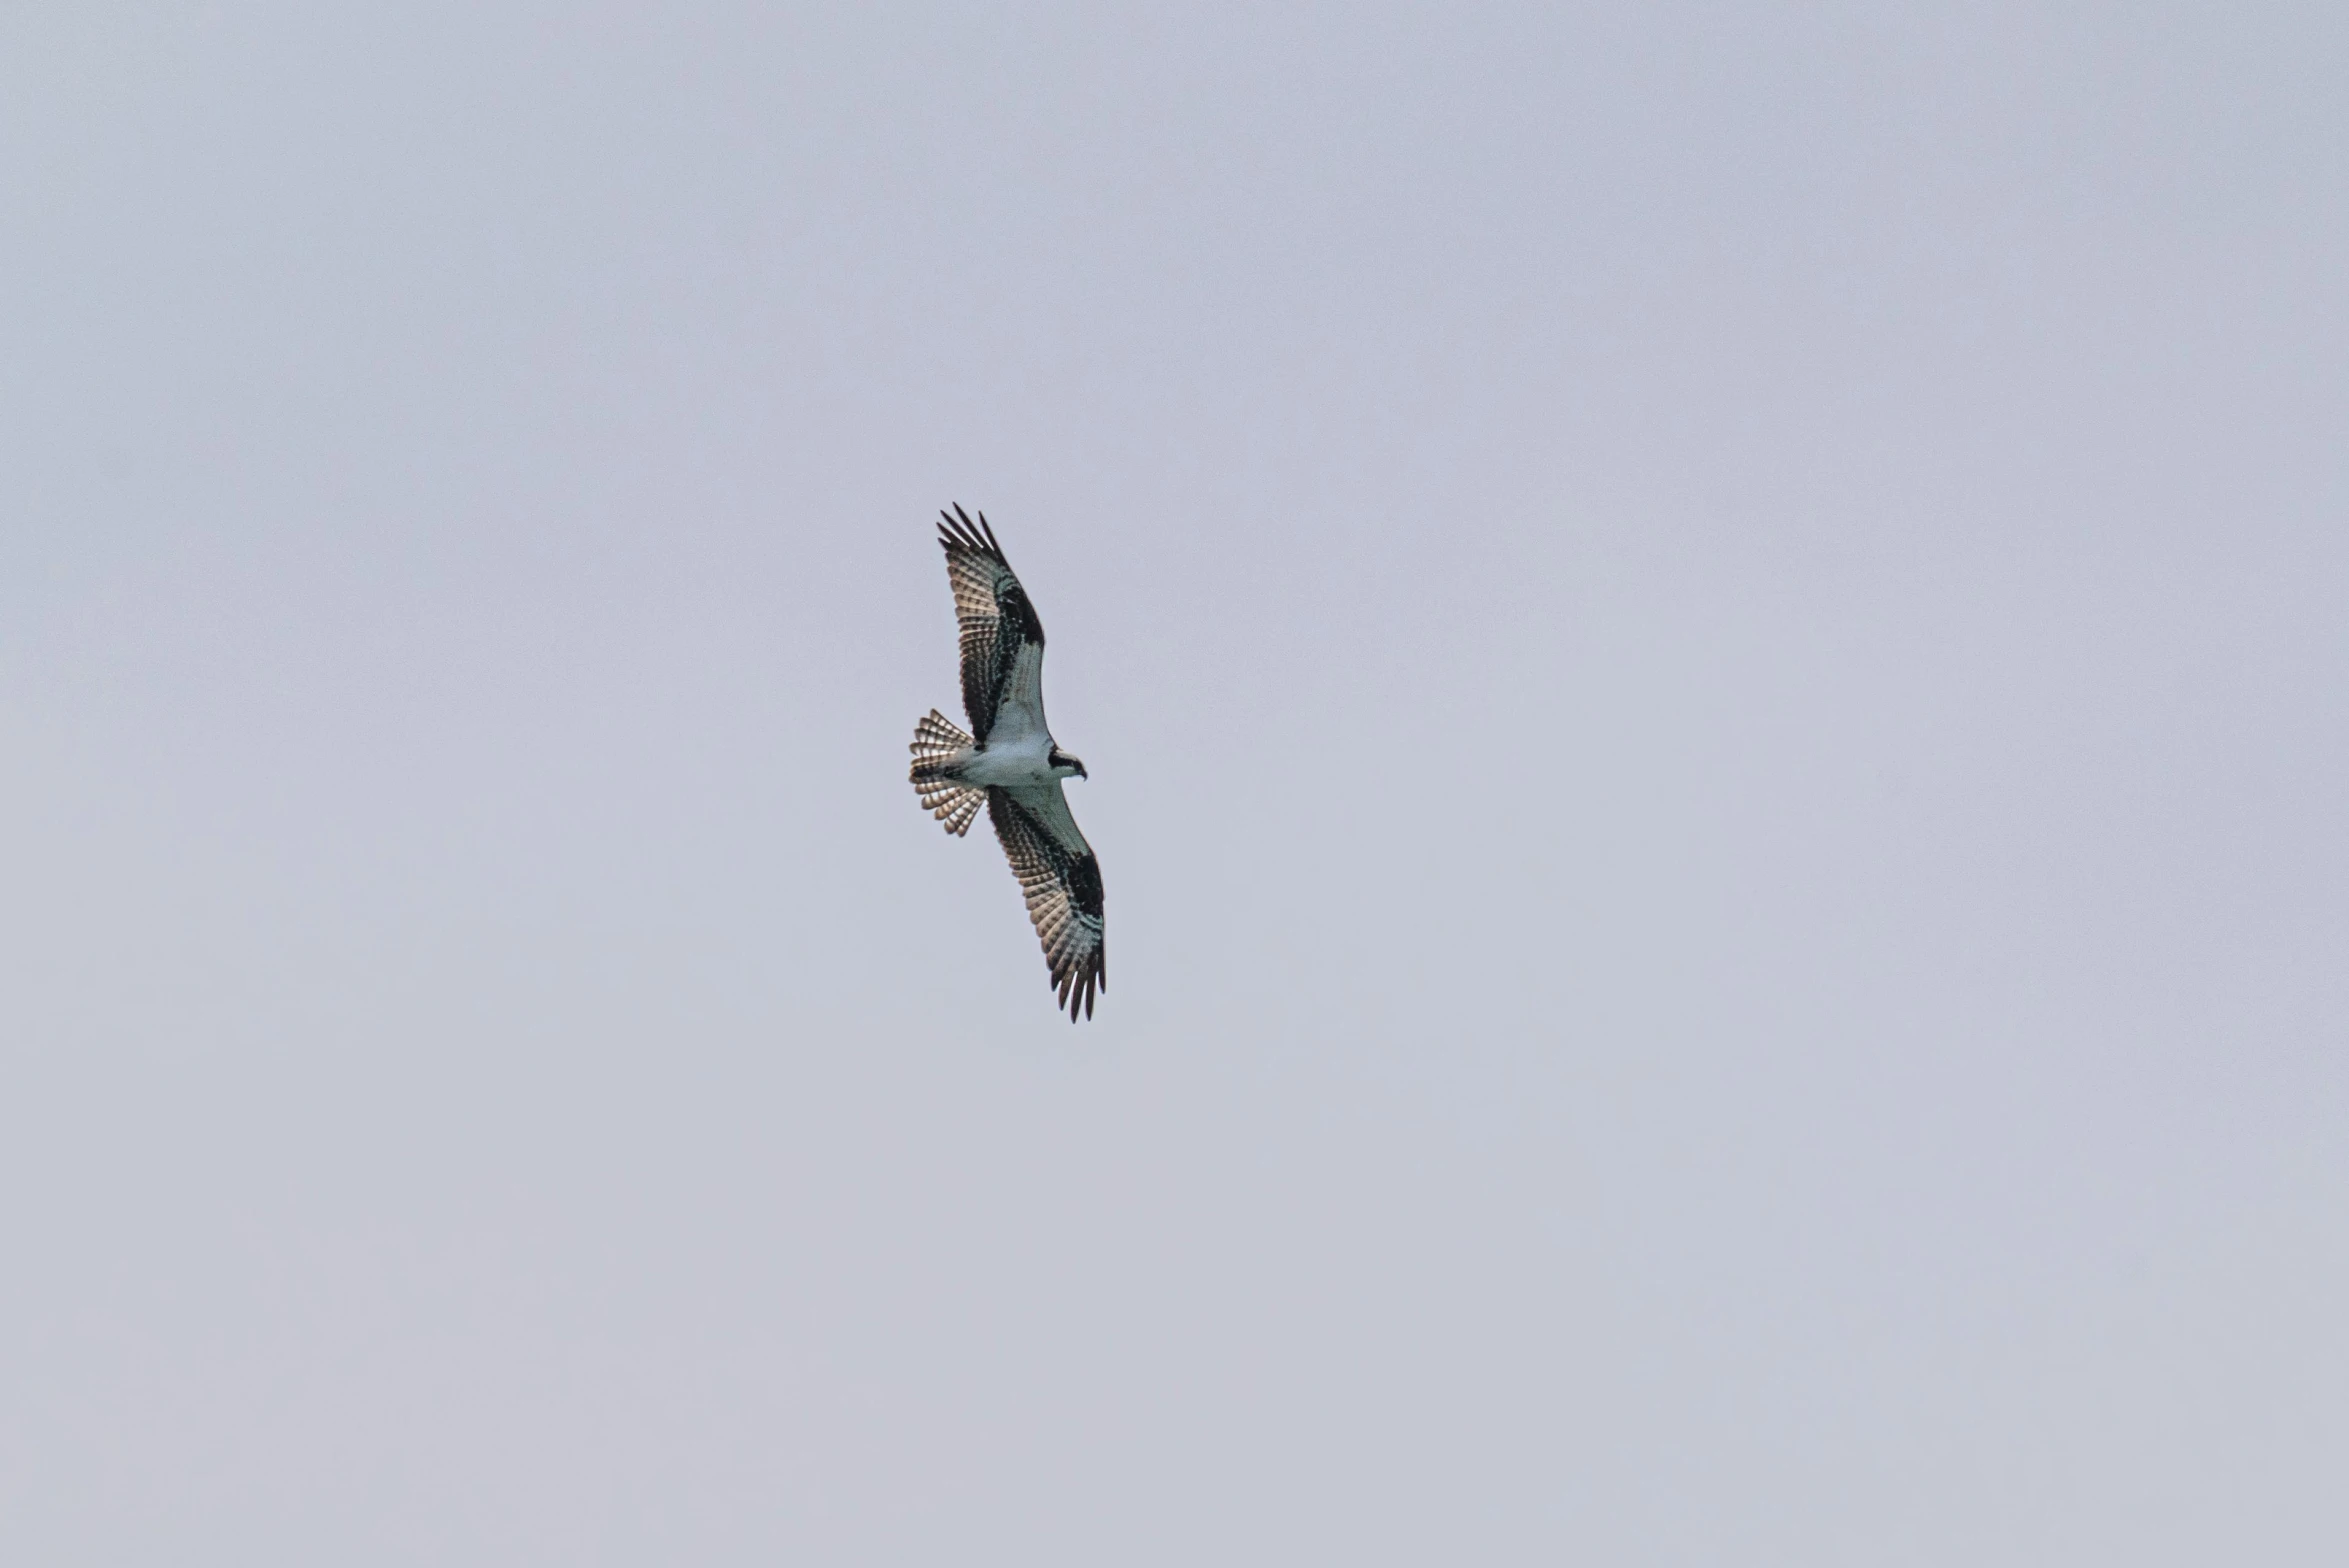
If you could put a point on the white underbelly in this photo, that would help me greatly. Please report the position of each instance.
(1010, 765)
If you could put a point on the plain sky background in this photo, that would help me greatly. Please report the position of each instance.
(1712, 645)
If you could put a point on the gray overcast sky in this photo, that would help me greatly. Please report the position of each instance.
(1711, 641)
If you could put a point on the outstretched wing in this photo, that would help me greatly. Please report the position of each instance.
(1002, 641)
(1062, 882)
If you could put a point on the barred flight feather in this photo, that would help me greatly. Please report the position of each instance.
(1061, 882)
(995, 621)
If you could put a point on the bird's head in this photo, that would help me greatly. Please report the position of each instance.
(1063, 765)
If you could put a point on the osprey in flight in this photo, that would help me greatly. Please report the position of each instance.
(1010, 763)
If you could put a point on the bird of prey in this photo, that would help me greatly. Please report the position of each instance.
(1010, 763)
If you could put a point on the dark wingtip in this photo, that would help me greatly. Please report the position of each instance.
(1077, 989)
(956, 531)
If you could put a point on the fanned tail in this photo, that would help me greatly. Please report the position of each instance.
(937, 746)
